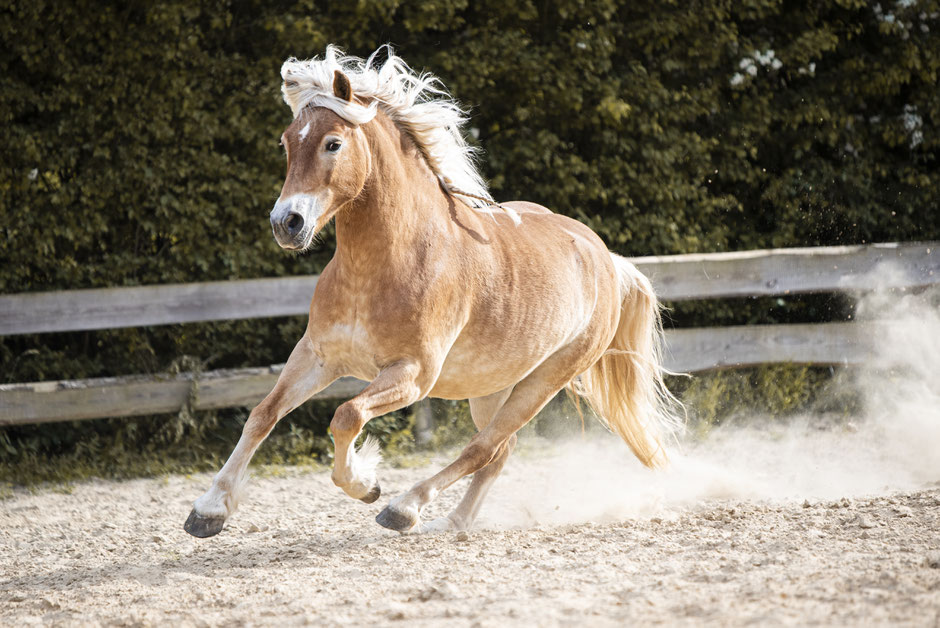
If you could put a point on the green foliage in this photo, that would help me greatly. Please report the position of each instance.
(140, 147)
(453, 425)
(778, 390)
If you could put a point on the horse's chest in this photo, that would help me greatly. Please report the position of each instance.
(351, 348)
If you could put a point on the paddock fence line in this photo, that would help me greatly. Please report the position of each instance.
(846, 269)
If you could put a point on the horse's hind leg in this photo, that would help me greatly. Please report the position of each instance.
(463, 516)
(527, 398)
(482, 409)
(303, 376)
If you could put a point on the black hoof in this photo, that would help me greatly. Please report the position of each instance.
(372, 495)
(395, 520)
(203, 527)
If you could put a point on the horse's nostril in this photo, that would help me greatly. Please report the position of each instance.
(294, 223)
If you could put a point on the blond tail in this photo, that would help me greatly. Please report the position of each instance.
(625, 387)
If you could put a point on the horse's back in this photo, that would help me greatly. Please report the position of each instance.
(526, 207)
(564, 224)
(556, 239)
(559, 256)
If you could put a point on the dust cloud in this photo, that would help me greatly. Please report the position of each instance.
(892, 445)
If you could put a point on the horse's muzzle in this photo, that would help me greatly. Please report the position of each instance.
(289, 227)
(293, 219)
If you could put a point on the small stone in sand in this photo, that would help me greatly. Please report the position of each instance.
(933, 560)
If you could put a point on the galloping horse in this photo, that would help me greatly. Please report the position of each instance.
(436, 290)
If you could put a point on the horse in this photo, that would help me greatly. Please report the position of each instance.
(436, 290)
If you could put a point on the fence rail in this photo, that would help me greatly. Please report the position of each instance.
(137, 395)
(793, 271)
(141, 306)
(772, 272)
(676, 278)
(687, 350)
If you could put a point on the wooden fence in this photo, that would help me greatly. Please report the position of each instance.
(682, 277)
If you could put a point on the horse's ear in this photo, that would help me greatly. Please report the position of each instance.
(341, 87)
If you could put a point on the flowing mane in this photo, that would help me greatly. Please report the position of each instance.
(417, 102)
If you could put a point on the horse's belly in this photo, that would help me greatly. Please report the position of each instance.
(480, 366)
(500, 349)
(465, 376)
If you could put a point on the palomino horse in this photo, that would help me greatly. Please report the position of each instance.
(429, 294)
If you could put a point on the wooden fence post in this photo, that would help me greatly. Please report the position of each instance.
(424, 422)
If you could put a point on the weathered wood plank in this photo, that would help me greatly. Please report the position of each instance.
(692, 350)
(111, 308)
(680, 277)
(688, 350)
(791, 271)
(139, 395)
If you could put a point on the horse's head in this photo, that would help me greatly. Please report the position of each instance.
(327, 165)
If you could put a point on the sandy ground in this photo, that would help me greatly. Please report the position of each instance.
(804, 521)
(544, 553)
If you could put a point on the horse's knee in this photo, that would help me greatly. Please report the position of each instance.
(347, 421)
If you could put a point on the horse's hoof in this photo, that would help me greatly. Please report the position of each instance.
(372, 495)
(203, 527)
(395, 519)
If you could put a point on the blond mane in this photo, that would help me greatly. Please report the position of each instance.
(417, 102)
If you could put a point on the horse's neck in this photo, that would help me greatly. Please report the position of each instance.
(400, 209)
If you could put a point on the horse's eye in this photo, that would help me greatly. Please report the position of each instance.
(332, 147)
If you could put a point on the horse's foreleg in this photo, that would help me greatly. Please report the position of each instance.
(396, 387)
(527, 398)
(303, 376)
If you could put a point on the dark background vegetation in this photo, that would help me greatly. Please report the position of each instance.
(140, 147)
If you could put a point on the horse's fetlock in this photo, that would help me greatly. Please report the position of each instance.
(211, 505)
(457, 521)
(340, 478)
(421, 494)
